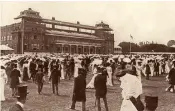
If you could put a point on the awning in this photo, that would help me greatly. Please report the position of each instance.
(4, 47)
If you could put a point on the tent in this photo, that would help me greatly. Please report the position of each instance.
(5, 48)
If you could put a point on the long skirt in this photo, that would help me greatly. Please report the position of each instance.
(152, 71)
(62, 72)
(25, 74)
(91, 83)
(109, 79)
(127, 105)
(2, 84)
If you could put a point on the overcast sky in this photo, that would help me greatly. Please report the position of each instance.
(145, 21)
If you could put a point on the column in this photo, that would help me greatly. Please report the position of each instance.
(70, 49)
(89, 49)
(82, 49)
(61, 48)
(76, 49)
(95, 50)
(22, 37)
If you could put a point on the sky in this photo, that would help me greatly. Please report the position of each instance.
(145, 21)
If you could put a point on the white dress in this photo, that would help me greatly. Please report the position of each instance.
(109, 77)
(139, 72)
(76, 69)
(91, 83)
(131, 86)
(3, 79)
(62, 72)
(152, 69)
(167, 68)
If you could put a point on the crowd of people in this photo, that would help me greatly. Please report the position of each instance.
(18, 69)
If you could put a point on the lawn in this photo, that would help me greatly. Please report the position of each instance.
(49, 102)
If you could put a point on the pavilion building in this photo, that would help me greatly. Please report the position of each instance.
(36, 34)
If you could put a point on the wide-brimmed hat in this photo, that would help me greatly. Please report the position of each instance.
(127, 60)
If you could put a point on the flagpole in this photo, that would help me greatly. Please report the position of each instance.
(130, 44)
(130, 48)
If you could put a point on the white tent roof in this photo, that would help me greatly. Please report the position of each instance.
(4, 47)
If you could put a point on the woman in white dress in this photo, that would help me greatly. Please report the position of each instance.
(139, 69)
(131, 87)
(109, 77)
(152, 68)
(167, 68)
(62, 71)
(91, 83)
(3, 81)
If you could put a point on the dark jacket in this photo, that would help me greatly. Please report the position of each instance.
(55, 76)
(100, 85)
(171, 76)
(156, 66)
(15, 74)
(148, 70)
(16, 107)
(79, 91)
(32, 66)
(39, 77)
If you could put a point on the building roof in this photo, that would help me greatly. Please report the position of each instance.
(4, 47)
(29, 14)
(74, 35)
(103, 26)
(68, 24)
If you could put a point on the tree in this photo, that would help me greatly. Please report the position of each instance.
(126, 47)
(170, 43)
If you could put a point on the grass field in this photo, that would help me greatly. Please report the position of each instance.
(49, 102)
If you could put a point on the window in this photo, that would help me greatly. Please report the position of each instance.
(35, 46)
(10, 37)
(7, 37)
(49, 25)
(34, 37)
(58, 27)
(4, 38)
(25, 47)
(42, 47)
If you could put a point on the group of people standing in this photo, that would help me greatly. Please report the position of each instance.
(129, 71)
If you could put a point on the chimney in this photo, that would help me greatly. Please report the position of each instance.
(78, 30)
(53, 18)
(53, 26)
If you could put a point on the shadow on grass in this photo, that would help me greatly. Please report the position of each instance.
(46, 94)
(150, 87)
(61, 95)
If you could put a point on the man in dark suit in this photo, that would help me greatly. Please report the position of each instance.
(79, 91)
(55, 76)
(32, 68)
(100, 87)
(22, 94)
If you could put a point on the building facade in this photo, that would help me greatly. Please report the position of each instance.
(36, 34)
